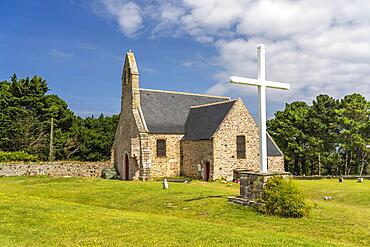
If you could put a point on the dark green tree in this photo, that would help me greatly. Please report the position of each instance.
(288, 130)
(26, 110)
(328, 137)
(353, 118)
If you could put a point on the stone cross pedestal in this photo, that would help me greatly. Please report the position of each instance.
(251, 187)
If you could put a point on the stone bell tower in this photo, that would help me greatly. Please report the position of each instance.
(131, 152)
(130, 83)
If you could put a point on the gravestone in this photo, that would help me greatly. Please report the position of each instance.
(165, 184)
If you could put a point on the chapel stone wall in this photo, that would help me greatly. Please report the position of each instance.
(195, 155)
(238, 122)
(168, 166)
(275, 163)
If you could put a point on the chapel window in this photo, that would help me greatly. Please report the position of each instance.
(240, 147)
(161, 148)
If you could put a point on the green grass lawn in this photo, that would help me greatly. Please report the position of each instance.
(43, 211)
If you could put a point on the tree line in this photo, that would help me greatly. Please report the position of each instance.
(26, 111)
(329, 137)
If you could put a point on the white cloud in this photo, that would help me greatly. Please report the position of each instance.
(318, 46)
(61, 54)
(127, 14)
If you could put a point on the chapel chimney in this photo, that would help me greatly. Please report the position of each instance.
(130, 83)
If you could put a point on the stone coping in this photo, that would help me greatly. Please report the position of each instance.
(272, 173)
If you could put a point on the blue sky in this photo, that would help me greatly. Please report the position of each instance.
(188, 45)
(81, 54)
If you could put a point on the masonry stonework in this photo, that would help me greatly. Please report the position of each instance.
(238, 122)
(195, 155)
(275, 163)
(168, 166)
(57, 168)
(251, 187)
(132, 152)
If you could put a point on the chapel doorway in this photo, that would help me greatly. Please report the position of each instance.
(127, 167)
(207, 171)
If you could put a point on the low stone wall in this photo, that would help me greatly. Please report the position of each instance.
(58, 168)
(331, 177)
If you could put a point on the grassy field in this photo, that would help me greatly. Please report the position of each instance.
(42, 211)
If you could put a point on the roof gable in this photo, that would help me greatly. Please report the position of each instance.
(203, 121)
(166, 112)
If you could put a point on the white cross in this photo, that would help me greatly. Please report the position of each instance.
(261, 83)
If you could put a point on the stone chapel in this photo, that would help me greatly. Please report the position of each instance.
(165, 134)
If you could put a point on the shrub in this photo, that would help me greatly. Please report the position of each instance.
(17, 156)
(282, 197)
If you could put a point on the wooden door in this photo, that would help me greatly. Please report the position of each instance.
(127, 167)
(207, 171)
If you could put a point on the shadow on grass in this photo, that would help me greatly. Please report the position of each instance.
(205, 197)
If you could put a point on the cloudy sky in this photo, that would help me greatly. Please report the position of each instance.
(320, 47)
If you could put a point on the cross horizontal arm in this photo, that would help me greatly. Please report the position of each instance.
(254, 82)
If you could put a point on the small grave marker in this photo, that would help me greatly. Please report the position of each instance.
(165, 184)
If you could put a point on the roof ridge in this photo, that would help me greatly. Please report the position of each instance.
(215, 103)
(184, 93)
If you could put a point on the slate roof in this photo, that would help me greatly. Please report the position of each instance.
(272, 148)
(203, 121)
(166, 112)
(172, 113)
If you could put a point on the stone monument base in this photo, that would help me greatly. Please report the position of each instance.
(251, 187)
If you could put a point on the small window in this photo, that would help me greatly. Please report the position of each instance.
(240, 147)
(161, 148)
(126, 77)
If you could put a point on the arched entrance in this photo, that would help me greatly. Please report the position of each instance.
(207, 171)
(127, 167)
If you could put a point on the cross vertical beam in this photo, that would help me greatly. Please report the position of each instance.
(262, 107)
(262, 84)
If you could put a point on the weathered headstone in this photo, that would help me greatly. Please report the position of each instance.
(165, 184)
(360, 180)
